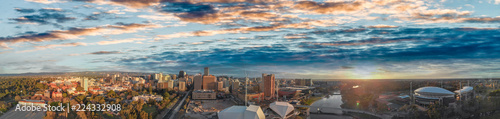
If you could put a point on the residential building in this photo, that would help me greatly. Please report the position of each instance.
(269, 85)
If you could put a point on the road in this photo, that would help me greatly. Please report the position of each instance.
(176, 108)
(347, 110)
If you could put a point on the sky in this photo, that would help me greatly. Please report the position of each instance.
(321, 39)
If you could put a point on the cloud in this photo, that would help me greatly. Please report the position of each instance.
(24, 10)
(165, 17)
(62, 45)
(57, 68)
(301, 25)
(129, 40)
(383, 26)
(137, 3)
(50, 10)
(46, 1)
(346, 67)
(364, 42)
(105, 52)
(192, 12)
(329, 7)
(43, 18)
(73, 33)
(483, 20)
(51, 46)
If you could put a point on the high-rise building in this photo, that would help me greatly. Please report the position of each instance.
(181, 74)
(174, 76)
(170, 84)
(300, 82)
(182, 86)
(85, 84)
(198, 82)
(160, 76)
(236, 85)
(206, 72)
(162, 85)
(269, 90)
(220, 86)
(226, 83)
(308, 82)
(166, 77)
(209, 82)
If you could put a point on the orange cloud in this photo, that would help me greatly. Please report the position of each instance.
(74, 33)
(329, 7)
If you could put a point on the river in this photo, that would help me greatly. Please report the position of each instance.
(333, 101)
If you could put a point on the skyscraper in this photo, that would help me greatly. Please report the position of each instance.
(174, 76)
(170, 84)
(206, 72)
(85, 84)
(198, 82)
(182, 85)
(181, 74)
(220, 86)
(209, 82)
(268, 85)
(236, 85)
(159, 76)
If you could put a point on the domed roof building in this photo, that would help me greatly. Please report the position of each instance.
(466, 92)
(431, 95)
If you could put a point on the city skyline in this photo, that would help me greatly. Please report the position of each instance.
(334, 39)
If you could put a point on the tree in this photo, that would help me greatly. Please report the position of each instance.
(79, 88)
(40, 86)
(17, 98)
(434, 111)
(144, 115)
(150, 89)
(166, 95)
(111, 94)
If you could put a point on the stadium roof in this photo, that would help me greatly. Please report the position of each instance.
(433, 92)
(465, 89)
(282, 108)
(242, 112)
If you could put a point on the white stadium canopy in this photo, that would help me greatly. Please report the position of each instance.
(433, 92)
(242, 112)
(282, 108)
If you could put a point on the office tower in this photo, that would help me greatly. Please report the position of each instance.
(198, 82)
(85, 83)
(166, 77)
(182, 86)
(162, 85)
(206, 72)
(174, 76)
(209, 82)
(268, 85)
(226, 83)
(160, 76)
(220, 86)
(236, 85)
(181, 74)
(170, 84)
